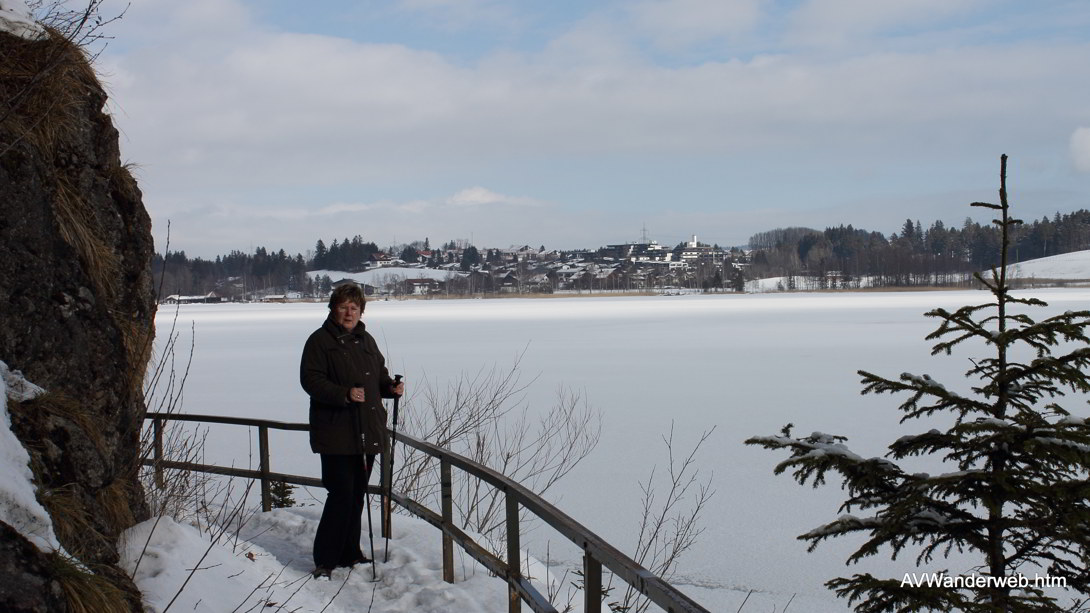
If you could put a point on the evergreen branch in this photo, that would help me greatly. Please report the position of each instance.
(919, 444)
(920, 386)
(814, 456)
(1050, 332)
(890, 595)
(1068, 368)
(960, 321)
(928, 523)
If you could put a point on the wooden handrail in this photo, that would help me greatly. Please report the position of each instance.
(596, 551)
(660, 592)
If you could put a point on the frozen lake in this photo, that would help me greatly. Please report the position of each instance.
(744, 364)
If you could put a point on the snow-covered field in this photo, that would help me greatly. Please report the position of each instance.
(1073, 266)
(744, 364)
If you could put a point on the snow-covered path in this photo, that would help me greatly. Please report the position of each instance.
(267, 568)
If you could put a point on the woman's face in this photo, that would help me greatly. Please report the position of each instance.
(347, 314)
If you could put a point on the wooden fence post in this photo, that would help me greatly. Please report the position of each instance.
(263, 450)
(514, 566)
(592, 584)
(157, 426)
(446, 485)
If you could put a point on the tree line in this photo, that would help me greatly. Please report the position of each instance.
(347, 255)
(914, 256)
(236, 273)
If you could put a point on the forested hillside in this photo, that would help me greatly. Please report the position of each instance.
(913, 256)
(236, 273)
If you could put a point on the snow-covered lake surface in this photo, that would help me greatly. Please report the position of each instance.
(744, 364)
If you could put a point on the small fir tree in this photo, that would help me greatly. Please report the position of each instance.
(1016, 498)
(280, 493)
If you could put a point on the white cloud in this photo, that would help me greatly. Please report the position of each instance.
(296, 108)
(466, 198)
(276, 107)
(839, 22)
(478, 196)
(217, 107)
(676, 23)
(462, 14)
(1080, 149)
(346, 207)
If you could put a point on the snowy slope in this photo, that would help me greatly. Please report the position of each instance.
(268, 568)
(1074, 266)
(1068, 266)
(377, 276)
(16, 19)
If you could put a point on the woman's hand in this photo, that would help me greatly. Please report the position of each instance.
(399, 389)
(356, 394)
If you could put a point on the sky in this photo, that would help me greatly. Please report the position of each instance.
(579, 124)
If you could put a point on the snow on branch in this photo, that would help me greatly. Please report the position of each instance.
(815, 455)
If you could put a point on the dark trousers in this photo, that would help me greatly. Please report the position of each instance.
(345, 477)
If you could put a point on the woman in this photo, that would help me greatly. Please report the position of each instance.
(345, 375)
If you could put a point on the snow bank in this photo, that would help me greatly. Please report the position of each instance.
(268, 564)
(19, 508)
(15, 18)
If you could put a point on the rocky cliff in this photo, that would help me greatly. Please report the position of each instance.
(76, 317)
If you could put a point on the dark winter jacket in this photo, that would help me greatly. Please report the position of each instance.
(333, 362)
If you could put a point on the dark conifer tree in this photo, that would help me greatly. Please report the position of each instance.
(280, 493)
(470, 258)
(1017, 495)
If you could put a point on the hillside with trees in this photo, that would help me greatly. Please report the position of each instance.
(914, 256)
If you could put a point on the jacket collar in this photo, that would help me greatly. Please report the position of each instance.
(338, 332)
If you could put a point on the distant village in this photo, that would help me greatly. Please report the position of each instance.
(796, 258)
(460, 269)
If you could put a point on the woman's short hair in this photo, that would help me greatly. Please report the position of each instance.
(349, 292)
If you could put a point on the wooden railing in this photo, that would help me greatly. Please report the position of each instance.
(596, 552)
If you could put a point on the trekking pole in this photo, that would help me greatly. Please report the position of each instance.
(370, 531)
(390, 481)
(367, 501)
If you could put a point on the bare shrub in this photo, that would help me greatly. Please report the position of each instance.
(171, 492)
(670, 520)
(81, 23)
(485, 417)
